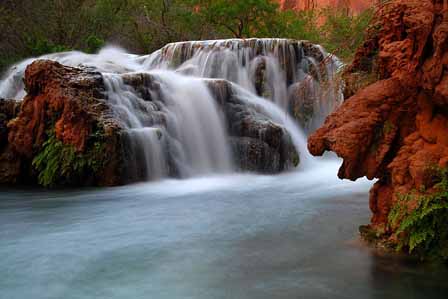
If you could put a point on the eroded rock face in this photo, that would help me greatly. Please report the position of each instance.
(9, 166)
(69, 104)
(395, 129)
(354, 5)
(9, 109)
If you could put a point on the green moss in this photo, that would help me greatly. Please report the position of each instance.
(295, 160)
(379, 133)
(388, 127)
(374, 236)
(424, 229)
(377, 137)
(59, 163)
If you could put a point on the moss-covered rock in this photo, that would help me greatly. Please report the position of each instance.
(65, 132)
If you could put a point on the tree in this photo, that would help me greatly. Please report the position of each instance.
(343, 33)
(35, 27)
(240, 18)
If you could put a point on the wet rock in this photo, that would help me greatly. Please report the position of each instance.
(9, 109)
(10, 166)
(302, 100)
(253, 136)
(260, 137)
(254, 155)
(274, 66)
(70, 104)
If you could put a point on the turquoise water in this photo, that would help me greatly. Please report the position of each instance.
(289, 236)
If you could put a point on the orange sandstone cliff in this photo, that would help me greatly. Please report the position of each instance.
(395, 129)
(354, 5)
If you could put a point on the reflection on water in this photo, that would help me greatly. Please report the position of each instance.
(289, 236)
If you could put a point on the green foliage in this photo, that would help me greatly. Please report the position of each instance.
(424, 229)
(61, 163)
(34, 27)
(94, 43)
(161, 21)
(240, 18)
(295, 159)
(388, 127)
(342, 32)
(43, 46)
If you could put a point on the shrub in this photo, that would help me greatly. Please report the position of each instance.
(343, 32)
(61, 163)
(42, 46)
(424, 229)
(94, 44)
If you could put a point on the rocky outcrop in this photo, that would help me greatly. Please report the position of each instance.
(396, 129)
(10, 166)
(258, 144)
(68, 130)
(9, 109)
(69, 105)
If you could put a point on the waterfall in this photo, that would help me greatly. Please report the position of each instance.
(182, 117)
(278, 115)
(145, 142)
(174, 123)
(287, 72)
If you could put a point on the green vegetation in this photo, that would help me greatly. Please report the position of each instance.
(295, 159)
(343, 32)
(423, 230)
(388, 127)
(59, 163)
(238, 18)
(35, 27)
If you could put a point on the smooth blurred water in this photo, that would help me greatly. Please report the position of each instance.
(240, 236)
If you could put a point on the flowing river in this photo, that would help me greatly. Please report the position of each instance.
(239, 236)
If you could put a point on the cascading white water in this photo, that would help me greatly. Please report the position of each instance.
(181, 127)
(194, 127)
(279, 116)
(147, 140)
(271, 68)
(196, 122)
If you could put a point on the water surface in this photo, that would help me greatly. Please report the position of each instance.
(240, 236)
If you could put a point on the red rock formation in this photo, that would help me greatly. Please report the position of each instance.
(67, 132)
(53, 93)
(71, 103)
(354, 5)
(9, 164)
(395, 129)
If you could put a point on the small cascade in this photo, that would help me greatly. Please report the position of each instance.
(278, 115)
(146, 158)
(175, 130)
(296, 75)
(195, 120)
(108, 60)
(195, 108)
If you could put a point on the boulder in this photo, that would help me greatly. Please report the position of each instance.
(65, 133)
